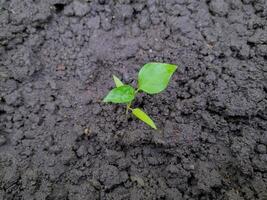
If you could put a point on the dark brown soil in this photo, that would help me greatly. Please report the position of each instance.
(59, 141)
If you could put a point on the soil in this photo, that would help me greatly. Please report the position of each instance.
(59, 141)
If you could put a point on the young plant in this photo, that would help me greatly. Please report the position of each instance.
(152, 79)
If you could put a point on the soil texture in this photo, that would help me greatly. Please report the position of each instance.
(58, 141)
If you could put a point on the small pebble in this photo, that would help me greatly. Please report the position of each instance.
(87, 131)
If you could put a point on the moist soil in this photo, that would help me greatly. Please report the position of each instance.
(58, 140)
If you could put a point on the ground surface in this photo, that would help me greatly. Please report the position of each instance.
(58, 141)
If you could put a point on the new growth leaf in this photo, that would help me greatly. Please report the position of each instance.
(117, 81)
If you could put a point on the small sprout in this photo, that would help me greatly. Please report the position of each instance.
(153, 78)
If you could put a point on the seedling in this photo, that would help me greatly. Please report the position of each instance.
(153, 78)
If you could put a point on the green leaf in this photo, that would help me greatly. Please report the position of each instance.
(144, 117)
(122, 94)
(154, 77)
(117, 81)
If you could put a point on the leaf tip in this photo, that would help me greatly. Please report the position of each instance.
(117, 81)
(173, 67)
(105, 100)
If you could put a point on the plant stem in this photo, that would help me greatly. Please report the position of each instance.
(128, 107)
(130, 103)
